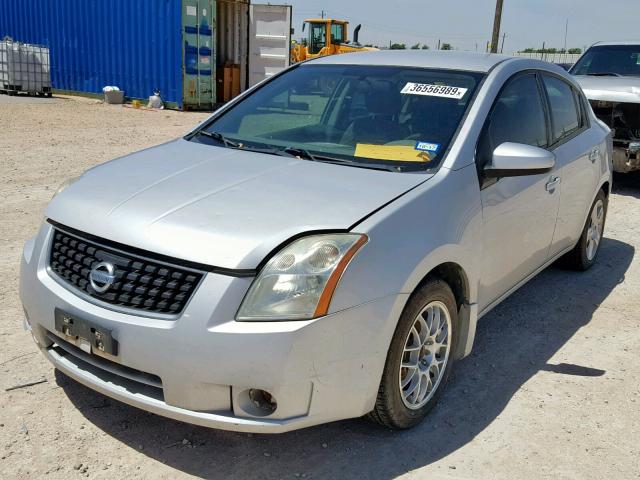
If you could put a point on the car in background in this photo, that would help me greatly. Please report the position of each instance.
(321, 247)
(609, 74)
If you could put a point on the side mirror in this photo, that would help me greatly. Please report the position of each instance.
(517, 159)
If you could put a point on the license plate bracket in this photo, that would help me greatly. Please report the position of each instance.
(100, 338)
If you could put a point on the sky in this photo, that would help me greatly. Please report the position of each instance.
(467, 24)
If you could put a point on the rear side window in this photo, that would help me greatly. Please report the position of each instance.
(565, 117)
(517, 116)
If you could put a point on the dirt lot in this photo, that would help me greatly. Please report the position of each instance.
(552, 389)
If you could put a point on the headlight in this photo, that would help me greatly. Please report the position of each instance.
(299, 281)
(65, 184)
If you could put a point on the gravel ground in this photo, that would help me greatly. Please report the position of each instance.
(552, 389)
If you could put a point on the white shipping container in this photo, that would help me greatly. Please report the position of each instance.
(257, 37)
(24, 68)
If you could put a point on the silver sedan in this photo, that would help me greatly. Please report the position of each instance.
(322, 247)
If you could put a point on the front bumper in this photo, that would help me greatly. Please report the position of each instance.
(205, 362)
(626, 159)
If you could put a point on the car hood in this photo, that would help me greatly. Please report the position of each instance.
(611, 89)
(217, 206)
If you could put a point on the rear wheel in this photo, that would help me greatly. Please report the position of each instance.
(584, 254)
(420, 357)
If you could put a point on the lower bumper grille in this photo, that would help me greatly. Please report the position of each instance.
(134, 380)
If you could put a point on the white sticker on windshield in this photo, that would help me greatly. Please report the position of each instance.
(434, 90)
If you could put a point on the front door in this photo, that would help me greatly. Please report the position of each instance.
(198, 40)
(269, 40)
(519, 213)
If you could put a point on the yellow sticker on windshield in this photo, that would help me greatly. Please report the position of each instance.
(398, 153)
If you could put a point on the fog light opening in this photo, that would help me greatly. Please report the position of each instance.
(259, 403)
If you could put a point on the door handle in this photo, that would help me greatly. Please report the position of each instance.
(552, 184)
(594, 154)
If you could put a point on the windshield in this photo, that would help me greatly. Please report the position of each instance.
(398, 117)
(612, 60)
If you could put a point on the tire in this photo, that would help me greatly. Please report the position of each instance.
(395, 406)
(585, 253)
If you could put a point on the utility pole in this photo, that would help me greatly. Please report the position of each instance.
(322, 13)
(566, 29)
(438, 44)
(495, 38)
(504, 35)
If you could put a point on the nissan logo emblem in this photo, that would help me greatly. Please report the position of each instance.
(102, 276)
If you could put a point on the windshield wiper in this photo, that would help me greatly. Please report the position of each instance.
(604, 74)
(300, 152)
(296, 152)
(220, 137)
(307, 155)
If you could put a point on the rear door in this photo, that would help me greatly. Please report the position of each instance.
(198, 40)
(269, 40)
(519, 213)
(578, 156)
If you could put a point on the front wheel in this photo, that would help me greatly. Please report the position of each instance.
(420, 357)
(583, 255)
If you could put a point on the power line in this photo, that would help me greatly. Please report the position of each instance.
(366, 22)
(422, 35)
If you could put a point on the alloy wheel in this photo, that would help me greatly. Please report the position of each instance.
(594, 230)
(425, 355)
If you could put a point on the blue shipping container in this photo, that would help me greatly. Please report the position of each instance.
(133, 44)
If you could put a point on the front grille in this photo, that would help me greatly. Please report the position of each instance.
(140, 282)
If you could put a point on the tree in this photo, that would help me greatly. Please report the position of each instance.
(415, 47)
(398, 46)
(425, 47)
(550, 50)
(446, 46)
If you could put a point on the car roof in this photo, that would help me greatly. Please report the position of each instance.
(444, 59)
(625, 42)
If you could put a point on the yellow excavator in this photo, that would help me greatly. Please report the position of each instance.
(326, 36)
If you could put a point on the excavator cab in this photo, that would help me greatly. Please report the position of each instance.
(325, 33)
(325, 36)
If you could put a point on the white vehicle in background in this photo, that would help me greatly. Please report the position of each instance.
(609, 74)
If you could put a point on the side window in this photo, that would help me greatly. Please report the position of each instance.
(565, 117)
(337, 33)
(517, 116)
(580, 101)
